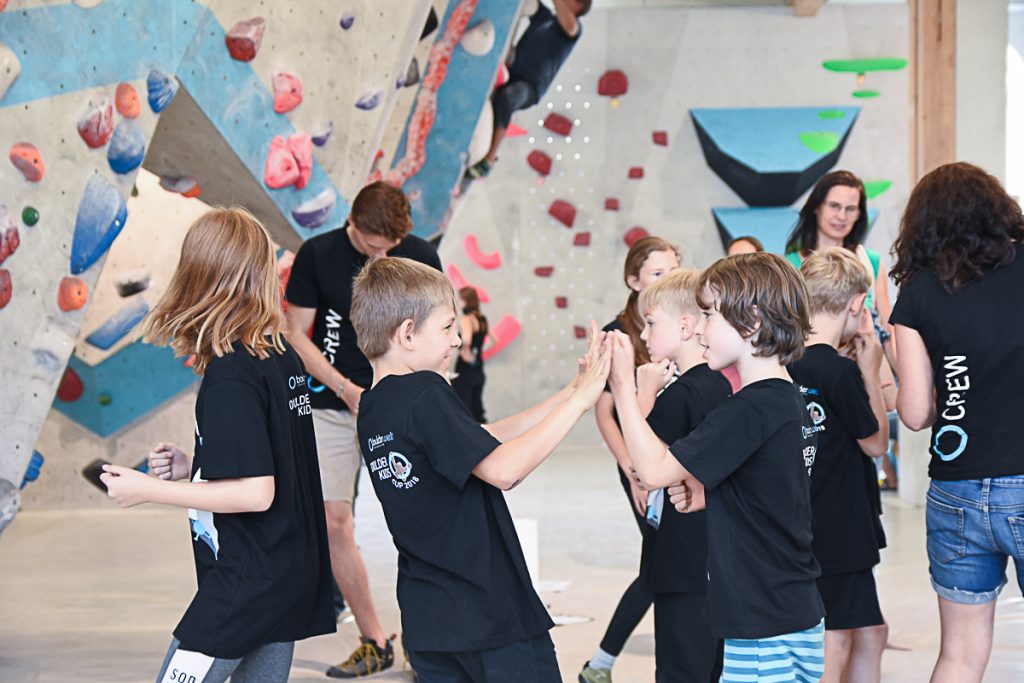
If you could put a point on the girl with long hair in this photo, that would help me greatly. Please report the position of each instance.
(468, 383)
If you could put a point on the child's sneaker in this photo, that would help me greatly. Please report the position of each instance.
(592, 675)
(479, 170)
(368, 659)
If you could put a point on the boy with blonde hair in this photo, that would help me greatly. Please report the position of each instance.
(469, 610)
(752, 455)
(844, 399)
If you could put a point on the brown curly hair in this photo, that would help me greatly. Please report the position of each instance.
(959, 223)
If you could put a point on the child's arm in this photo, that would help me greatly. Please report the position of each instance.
(566, 18)
(916, 400)
(512, 461)
(655, 466)
(650, 379)
(869, 360)
(299, 320)
(130, 487)
(603, 414)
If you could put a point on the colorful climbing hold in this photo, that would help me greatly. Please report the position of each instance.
(634, 234)
(244, 37)
(613, 83)
(831, 114)
(71, 387)
(35, 464)
(865, 94)
(873, 188)
(161, 87)
(820, 142)
(504, 333)
(127, 147)
(87, 4)
(370, 100)
(281, 169)
(5, 287)
(563, 212)
(27, 159)
(539, 161)
(315, 212)
(72, 293)
(10, 68)
(543, 271)
(611, 204)
(478, 39)
(29, 216)
(862, 66)
(104, 399)
(579, 332)
(502, 77)
(514, 131)
(287, 90)
(132, 282)
(411, 75)
(347, 19)
(10, 240)
(101, 216)
(582, 239)
(557, 123)
(118, 325)
(562, 302)
(636, 172)
(660, 137)
(477, 256)
(97, 124)
(186, 186)
(301, 147)
(459, 281)
(322, 133)
(126, 100)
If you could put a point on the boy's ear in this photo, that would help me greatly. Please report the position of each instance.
(688, 326)
(857, 303)
(404, 334)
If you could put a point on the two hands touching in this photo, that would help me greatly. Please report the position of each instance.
(129, 487)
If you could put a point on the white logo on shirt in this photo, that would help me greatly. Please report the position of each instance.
(375, 442)
(203, 526)
(817, 413)
(396, 468)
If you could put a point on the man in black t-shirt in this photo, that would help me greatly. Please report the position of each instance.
(844, 400)
(319, 296)
(539, 55)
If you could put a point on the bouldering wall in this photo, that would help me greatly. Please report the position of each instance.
(594, 171)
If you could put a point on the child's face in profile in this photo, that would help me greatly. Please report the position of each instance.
(662, 333)
(657, 264)
(723, 345)
(436, 340)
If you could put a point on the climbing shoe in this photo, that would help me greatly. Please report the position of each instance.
(592, 675)
(368, 659)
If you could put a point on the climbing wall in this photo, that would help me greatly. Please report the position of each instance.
(594, 171)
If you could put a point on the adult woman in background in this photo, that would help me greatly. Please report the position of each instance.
(469, 366)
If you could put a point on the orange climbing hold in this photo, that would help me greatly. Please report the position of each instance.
(72, 294)
(27, 159)
(127, 101)
(5, 287)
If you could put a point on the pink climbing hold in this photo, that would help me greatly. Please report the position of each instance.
(514, 131)
(502, 77)
(579, 332)
(563, 212)
(507, 329)
(27, 159)
(5, 287)
(636, 172)
(459, 281)
(244, 38)
(126, 100)
(287, 91)
(582, 239)
(611, 204)
(634, 234)
(613, 83)
(539, 162)
(543, 271)
(10, 240)
(281, 169)
(97, 124)
(562, 302)
(485, 261)
(301, 147)
(557, 123)
(660, 137)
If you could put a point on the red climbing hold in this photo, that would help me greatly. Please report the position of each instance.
(72, 294)
(27, 159)
(543, 271)
(582, 239)
(660, 137)
(97, 124)
(636, 172)
(9, 241)
(562, 302)
(127, 101)
(634, 234)
(502, 77)
(557, 123)
(611, 204)
(579, 332)
(613, 83)
(281, 169)
(287, 91)
(563, 212)
(71, 387)
(5, 287)
(539, 162)
(301, 147)
(243, 39)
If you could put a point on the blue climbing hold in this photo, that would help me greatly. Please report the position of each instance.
(161, 87)
(119, 325)
(101, 215)
(34, 465)
(127, 147)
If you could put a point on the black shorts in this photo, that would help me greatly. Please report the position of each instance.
(528, 661)
(851, 600)
(511, 97)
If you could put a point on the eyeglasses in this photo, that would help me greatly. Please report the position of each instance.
(837, 208)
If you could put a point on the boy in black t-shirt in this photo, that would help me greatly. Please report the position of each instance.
(674, 559)
(844, 400)
(753, 457)
(469, 610)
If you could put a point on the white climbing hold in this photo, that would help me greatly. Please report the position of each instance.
(478, 39)
(10, 68)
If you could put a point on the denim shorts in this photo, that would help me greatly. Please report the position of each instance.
(973, 526)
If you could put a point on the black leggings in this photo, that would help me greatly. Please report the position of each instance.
(684, 649)
(635, 602)
(509, 98)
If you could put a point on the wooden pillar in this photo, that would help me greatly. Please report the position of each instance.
(933, 84)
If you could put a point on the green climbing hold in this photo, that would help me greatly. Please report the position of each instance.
(135, 190)
(820, 142)
(866, 94)
(873, 188)
(30, 216)
(862, 66)
(831, 114)
(105, 399)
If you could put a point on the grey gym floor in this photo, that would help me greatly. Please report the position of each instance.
(92, 595)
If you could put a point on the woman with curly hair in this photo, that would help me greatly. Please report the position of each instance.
(959, 324)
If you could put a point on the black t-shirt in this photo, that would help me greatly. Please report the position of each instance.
(675, 557)
(264, 577)
(753, 454)
(542, 50)
(839, 407)
(975, 340)
(321, 278)
(462, 579)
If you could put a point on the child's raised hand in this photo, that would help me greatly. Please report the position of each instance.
(169, 462)
(623, 372)
(127, 486)
(590, 384)
(653, 377)
(596, 339)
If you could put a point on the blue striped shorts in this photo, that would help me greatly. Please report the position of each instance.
(798, 657)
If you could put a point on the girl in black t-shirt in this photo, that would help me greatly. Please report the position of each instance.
(960, 333)
(252, 488)
(468, 382)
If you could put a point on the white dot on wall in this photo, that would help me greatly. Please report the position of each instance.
(533, 348)
(590, 221)
(540, 122)
(533, 316)
(579, 270)
(533, 286)
(552, 317)
(572, 317)
(558, 157)
(568, 138)
(561, 361)
(551, 105)
(543, 333)
(586, 138)
(543, 238)
(578, 87)
(552, 190)
(586, 105)
(558, 88)
(571, 347)
(576, 156)
(572, 190)
(580, 174)
(562, 238)
(550, 139)
(551, 347)
(531, 140)
(533, 222)
(568, 105)
(577, 122)
(533, 190)
(590, 285)
(561, 333)
(561, 174)
(572, 285)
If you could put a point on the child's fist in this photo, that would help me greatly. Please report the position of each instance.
(169, 462)
(126, 485)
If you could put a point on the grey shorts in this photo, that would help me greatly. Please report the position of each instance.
(338, 452)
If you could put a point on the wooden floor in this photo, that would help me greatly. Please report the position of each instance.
(93, 595)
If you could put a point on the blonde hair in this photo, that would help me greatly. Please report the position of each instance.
(675, 292)
(389, 291)
(224, 290)
(833, 276)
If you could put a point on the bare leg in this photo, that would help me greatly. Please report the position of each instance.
(966, 642)
(837, 654)
(865, 664)
(496, 139)
(349, 570)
